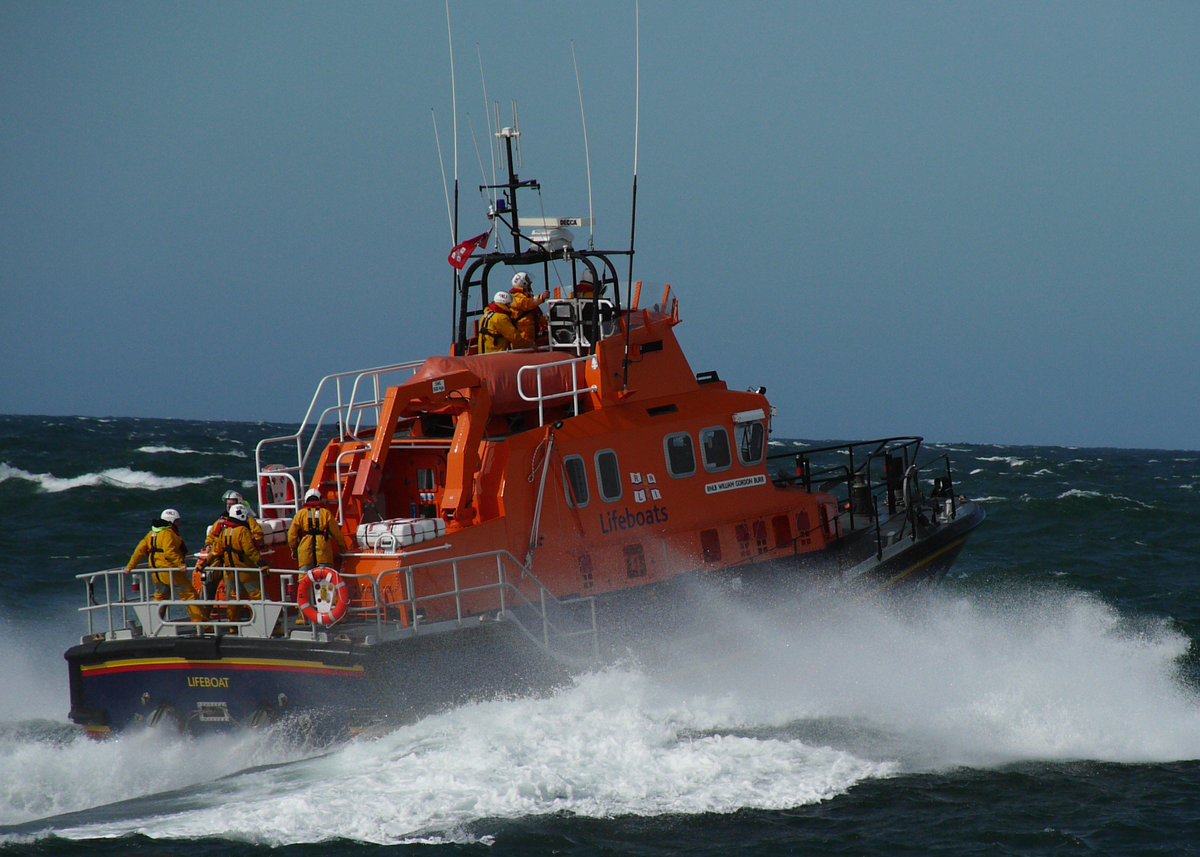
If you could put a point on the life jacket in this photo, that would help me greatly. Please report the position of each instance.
(313, 526)
(494, 342)
(229, 528)
(154, 549)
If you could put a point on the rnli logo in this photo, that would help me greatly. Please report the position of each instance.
(735, 484)
(206, 681)
(628, 519)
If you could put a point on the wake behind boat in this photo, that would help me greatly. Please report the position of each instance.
(513, 516)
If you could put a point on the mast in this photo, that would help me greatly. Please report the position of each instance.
(514, 227)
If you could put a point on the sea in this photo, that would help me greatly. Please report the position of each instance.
(1044, 700)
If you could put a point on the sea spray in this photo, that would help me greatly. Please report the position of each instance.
(1000, 676)
(819, 696)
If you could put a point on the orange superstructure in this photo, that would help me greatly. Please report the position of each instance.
(546, 500)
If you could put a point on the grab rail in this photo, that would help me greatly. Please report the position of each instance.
(131, 610)
(540, 397)
(876, 476)
(565, 629)
(366, 393)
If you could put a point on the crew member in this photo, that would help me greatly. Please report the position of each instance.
(234, 548)
(586, 287)
(314, 534)
(497, 332)
(232, 498)
(163, 548)
(526, 309)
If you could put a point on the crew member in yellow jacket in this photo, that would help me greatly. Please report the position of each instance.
(526, 309)
(232, 548)
(497, 331)
(163, 548)
(232, 498)
(314, 534)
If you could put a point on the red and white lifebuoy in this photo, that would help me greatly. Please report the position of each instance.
(322, 596)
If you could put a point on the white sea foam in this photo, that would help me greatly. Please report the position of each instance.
(1010, 460)
(116, 477)
(1079, 492)
(183, 450)
(614, 744)
(817, 699)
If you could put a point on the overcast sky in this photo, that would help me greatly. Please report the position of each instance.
(972, 221)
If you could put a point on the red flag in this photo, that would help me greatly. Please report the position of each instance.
(459, 255)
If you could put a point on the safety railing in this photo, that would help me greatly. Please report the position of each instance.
(122, 605)
(876, 481)
(564, 629)
(540, 397)
(339, 405)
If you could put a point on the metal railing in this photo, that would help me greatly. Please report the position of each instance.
(552, 624)
(126, 603)
(565, 629)
(365, 395)
(541, 397)
(877, 481)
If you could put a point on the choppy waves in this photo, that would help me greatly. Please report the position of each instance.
(183, 450)
(815, 703)
(115, 477)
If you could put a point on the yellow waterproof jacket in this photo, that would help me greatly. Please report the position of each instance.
(234, 547)
(162, 547)
(497, 332)
(256, 532)
(313, 535)
(526, 312)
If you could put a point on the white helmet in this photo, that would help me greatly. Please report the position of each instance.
(170, 516)
(312, 494)
(239, 513)
(588, 277)
(232, 496)
(521, 280)
(503, 298)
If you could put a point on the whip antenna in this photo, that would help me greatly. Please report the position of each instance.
(637, 119)
(454, 217)
(478, 155)
(442, 165)
(587, 154)
(488, 115)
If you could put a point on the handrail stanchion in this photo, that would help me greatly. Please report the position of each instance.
(503, 583)
(412, 599)
(545, 620)
(457, 592)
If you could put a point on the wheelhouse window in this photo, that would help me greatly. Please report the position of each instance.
(608, 476)
(575, 478)
(681, 456)
(751, 440)
(714, 447)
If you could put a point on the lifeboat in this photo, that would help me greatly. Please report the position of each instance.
(514, 516)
